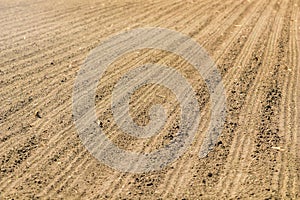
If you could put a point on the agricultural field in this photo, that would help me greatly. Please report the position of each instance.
(255, 45)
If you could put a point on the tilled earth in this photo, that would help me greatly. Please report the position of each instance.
(255, 45)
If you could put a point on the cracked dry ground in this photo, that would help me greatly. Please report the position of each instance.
(255, 45)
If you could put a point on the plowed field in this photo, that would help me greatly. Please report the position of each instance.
(256, 47)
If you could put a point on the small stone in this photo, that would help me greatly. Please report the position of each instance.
(100, 124)
(38, 114)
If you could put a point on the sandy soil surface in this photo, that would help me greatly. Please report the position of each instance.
(255, 45)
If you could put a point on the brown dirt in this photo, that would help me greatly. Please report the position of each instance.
(256, 47)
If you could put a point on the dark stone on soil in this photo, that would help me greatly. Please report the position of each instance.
(38, 114)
